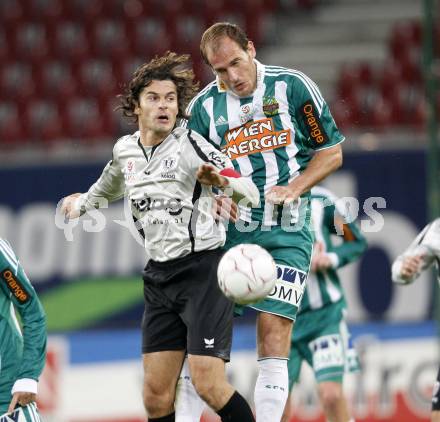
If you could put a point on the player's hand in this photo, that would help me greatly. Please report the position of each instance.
(69, 206)
(22, 399)
(224, 208)
(410, 266)
(209, 175)
(281, 195)
(320, 260)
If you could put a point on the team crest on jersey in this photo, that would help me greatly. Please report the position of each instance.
(169, 163)
(253, 137)
(270, 106)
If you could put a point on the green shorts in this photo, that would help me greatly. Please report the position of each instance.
(292, 253)
(328, 351)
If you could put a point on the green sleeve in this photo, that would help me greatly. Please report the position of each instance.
(353, 243)
(313, 114)
(199, 119)
(16, 285)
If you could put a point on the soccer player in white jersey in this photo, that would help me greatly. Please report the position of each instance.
(423, 253)
(166, 172)
(274, 125)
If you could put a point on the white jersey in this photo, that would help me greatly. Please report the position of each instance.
(426, 244)
(171, 209)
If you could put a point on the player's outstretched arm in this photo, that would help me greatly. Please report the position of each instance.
(209, 175)
(70, 206)
(323, 163)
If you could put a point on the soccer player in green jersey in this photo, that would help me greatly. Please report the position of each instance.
(22, 355)
(274, 125)
(321, 337)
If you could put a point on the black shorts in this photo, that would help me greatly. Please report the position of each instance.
(436, 393)
(184, 307)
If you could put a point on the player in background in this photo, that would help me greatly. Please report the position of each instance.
(423, 253)
(22, 351)
(166, 173)
(275, 126)
(321, 336)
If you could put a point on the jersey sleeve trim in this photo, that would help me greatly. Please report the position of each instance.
(331, 146)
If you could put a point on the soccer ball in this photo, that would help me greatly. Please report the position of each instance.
(246, 273)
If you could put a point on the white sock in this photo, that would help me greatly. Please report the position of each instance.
(188, 405)
(271, 389)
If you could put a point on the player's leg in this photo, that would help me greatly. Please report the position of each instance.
(161, 371)
(294, 367)
(209, 378)
(328, 356)
(163, 343)
(334, 404)
(435, 414)
(292, 254)
(189, 406)
(272, 386)
(208, 315)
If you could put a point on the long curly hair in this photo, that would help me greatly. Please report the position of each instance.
(170, 66)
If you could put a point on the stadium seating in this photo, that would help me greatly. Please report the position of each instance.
(62, 63)
(391, 94)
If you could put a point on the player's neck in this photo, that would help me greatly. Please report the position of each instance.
(150, 138)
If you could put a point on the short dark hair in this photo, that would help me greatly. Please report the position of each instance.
(220, 30)
(171, 67)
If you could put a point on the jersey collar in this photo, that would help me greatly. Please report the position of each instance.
(260, 77)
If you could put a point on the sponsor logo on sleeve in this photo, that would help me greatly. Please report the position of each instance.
(253, 137)
(313, 124)
(15, 286)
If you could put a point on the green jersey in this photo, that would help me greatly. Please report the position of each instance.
(22, 356)
(269, 136)
(324, 295)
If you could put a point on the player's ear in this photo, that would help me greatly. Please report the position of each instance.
(137, 109)
(251, 49)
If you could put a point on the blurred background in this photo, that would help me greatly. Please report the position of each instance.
(62, 63)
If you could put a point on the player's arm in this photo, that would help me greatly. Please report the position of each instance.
(16, 286)
(415, 259)
(322, 164)
(215, 169)
(110, 186)
(354, 243)
(316, 123)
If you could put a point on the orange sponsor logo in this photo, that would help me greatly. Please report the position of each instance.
(14, 286)
(252, 137)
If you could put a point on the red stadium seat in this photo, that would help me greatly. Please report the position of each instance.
(16, 81)
(11, 131)
(96, 78)
(55, 80)
(381, 115)
(71, 41)
(31, 42)
(43, 121)
(150, 37)
(109, 39)
(83, 118)
(188, 32)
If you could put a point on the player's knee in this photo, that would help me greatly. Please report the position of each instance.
(330, 394)
(274, 335)
(158, 399)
